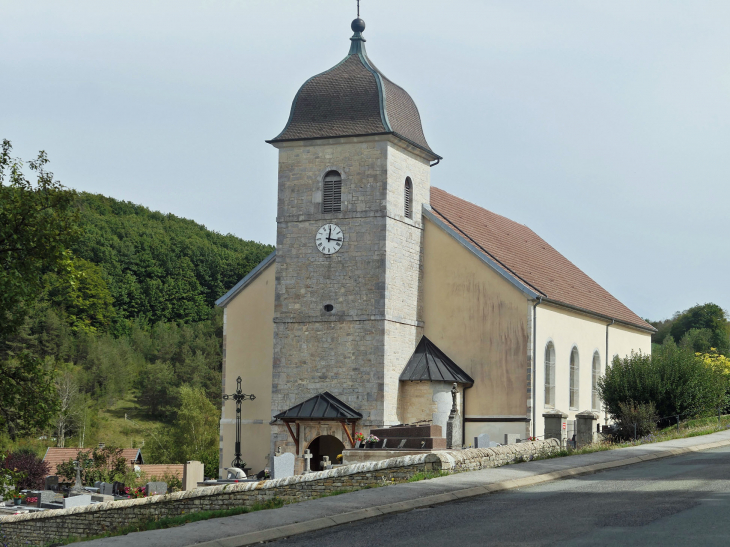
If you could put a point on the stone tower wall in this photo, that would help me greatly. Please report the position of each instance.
(358, 350)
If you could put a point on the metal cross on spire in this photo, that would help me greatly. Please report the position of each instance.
(239, 397)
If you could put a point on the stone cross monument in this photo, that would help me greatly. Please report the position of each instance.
(450, 424)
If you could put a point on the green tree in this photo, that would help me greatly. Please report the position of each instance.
(673, 379)
(705, 316)
(27, 395)
(194, 434)
(82, 293)
(38, 222)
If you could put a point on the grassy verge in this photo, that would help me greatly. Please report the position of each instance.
(426, 475)
(691, 428)
(179, 520)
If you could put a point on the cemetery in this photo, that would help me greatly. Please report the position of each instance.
(99, 509)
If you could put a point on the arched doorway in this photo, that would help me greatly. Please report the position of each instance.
(324, 445)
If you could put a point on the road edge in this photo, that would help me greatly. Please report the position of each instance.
(280, 532)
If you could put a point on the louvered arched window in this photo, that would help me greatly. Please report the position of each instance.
(574, 378)
(550, 375)
(408, 198)
(332, 192)
(595, 400)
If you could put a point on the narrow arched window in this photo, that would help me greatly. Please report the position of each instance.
(595, 400)
(574, 378)
(408, 198)
(332, 192)
(550, 375)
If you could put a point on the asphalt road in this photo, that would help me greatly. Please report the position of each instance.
(683, 500)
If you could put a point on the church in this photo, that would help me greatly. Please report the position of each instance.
(384, 292)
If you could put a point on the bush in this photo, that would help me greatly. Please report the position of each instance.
(644, 416)
(674, 379)
(27, 462)
(102, 464)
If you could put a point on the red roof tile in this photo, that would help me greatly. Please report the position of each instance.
(54, 456)
(160, 470)
(531, 260)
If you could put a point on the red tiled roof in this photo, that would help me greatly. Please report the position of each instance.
(531, 260)
(160, 470)
(54, 456)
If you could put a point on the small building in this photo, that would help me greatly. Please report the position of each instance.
(55, 456)
(384, 291)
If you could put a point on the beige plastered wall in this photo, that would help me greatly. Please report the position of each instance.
(481, 321)
(249, 345)
(567, 329)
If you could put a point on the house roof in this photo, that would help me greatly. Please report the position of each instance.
(529, 259)
(55, 455)
(324, 406)
(353, 98)
(428, 363)
(160, 470)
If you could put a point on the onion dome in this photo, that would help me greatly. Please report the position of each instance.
(353, 98)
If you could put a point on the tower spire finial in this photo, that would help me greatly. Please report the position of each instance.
(357, 26)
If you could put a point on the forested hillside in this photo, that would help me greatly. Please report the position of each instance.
(125, 327)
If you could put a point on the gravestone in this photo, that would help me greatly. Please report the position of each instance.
(307, 456)
(511, 438)
(155, 488)
(283, 466)
(77, 501)
(51, 482)
(384, 443)
(326, 463)
(481, 441)
(402, 443)
(193, 473)
(45, 496)
(103, 488)
(118, 488)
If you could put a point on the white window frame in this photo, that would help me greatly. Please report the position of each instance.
(574, 379)
(550, 375)
(596, 372)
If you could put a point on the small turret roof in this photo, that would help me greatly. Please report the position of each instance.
(353, 98)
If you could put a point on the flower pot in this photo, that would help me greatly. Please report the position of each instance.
(371, 445)
(17, 501)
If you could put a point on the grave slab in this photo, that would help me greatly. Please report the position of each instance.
(77, 501)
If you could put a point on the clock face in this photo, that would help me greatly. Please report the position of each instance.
(329, 239)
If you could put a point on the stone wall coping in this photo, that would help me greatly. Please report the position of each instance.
(587, 415)
(444, 459)
(555, 414)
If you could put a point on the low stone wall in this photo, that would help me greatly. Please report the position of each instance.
(44, 527)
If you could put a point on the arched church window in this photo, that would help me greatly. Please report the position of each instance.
(574, 378)
(550, 375)
(332, 192)
(408, 198)
(595, 400)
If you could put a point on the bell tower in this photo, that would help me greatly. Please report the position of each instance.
(354, 175)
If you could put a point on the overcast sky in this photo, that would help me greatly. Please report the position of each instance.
(603, 126)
